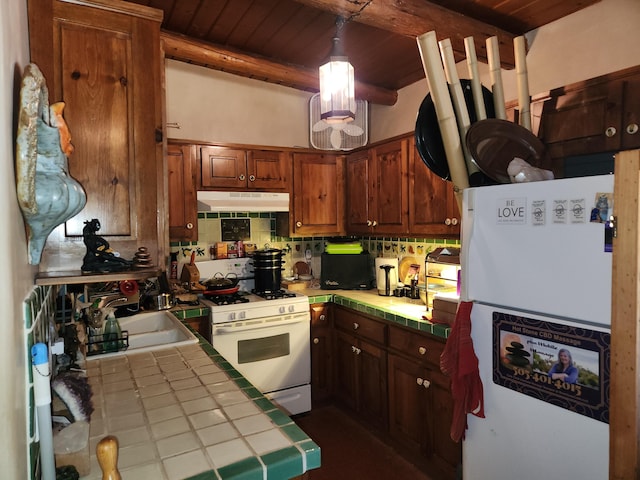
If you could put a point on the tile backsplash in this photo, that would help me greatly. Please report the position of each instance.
(263, 234)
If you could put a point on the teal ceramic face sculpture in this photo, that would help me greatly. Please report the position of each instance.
(48, 196)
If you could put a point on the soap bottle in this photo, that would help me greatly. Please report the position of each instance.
(112, 333)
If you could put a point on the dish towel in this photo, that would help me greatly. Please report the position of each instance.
(459, 362)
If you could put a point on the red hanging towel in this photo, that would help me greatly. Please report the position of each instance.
(459, 362)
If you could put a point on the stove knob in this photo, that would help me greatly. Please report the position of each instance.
(242, 315)
(292, 308)
(282, 309)
(232, 316)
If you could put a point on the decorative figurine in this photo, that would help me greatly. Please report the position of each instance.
(99, 257)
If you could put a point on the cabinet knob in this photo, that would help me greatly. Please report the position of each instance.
(447, 221)
(454, 221)
(252, 178)
(358, 351)
(369, 223)
(610, 131)
(375, 223)
(323, 317)
(316, 341)
(241, 177)
(298, 224)
(632, 128)
(356, 325)
(189, 226)
(423, 382)
(422, 350)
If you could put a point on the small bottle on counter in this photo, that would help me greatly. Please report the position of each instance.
(112, 334)
(415, 293)
(174, 266)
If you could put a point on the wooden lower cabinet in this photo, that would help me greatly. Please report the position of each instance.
(202, 325)
(321, 353)
(361, 366)
(389, 376)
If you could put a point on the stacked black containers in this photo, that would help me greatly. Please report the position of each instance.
(267, 266)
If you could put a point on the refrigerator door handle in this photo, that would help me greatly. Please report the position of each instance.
(466, 228)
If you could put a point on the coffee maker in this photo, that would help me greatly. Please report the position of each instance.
(386, 275)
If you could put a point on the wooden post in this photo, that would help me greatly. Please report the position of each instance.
(624, 390)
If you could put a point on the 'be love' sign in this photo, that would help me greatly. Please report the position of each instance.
(511, 211)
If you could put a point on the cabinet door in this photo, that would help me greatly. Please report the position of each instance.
(409, 402)
(105, 64)
(446, 453)
(631, 114)
(321, 352)
(433, 209)
(318, 194)
(581, 120)
(346, 381)
(359, 194)
(372, 383)
(390, 188)
(268, 170)
(223, 168)
(183, 207)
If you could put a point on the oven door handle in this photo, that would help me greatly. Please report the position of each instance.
(260, 326)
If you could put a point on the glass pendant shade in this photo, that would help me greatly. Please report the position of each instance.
(337, 97)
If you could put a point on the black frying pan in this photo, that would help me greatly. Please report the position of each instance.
(429, 139)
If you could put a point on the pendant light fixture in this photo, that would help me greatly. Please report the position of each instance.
(337, 96)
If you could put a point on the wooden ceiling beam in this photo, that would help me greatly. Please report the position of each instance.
(415, 17)
(186, 49)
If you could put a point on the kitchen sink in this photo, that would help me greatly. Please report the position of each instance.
(151, 331)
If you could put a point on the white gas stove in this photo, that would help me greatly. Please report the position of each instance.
(264, 336)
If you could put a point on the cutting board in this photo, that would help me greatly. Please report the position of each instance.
(296, 284)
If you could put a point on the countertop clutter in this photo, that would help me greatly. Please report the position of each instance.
(184, 412)
(401, 310)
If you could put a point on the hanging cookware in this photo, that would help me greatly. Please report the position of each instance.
(494, 143)
(429, 139)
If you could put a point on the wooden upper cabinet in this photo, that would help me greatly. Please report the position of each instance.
(359, 216)
(377, 195)
(391, 204)
(318, 194)
(598, 115)
(433, 209)
(239, 169)
(183, 207)
(103, 60)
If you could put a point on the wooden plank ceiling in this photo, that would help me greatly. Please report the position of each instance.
(284, 41)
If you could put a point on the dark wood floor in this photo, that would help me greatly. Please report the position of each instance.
(351, 452)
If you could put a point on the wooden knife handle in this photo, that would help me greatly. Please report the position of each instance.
(107, 453)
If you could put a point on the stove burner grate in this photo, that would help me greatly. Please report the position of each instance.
(227, 299)
(274, 295)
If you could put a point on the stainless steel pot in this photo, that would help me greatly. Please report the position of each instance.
(164, 301)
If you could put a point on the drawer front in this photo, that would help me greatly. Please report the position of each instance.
(416, 346)
(360, 326)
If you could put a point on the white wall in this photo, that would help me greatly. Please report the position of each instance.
(215, 106)
(16, 276)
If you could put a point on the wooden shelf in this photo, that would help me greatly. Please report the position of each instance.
(77, 276)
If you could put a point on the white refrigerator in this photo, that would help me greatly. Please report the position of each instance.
(536, 262)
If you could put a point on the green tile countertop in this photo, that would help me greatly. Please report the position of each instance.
(403, 311)
(186, 413)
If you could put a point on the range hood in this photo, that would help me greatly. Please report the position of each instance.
(210, 201)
